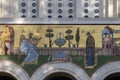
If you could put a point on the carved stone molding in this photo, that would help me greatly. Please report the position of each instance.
(106, 70)
(54, 67)
(13, 69)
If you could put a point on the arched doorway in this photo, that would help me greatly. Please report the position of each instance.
(66, 70)
(60, 76)
(109, 71)
(114, 76)
(12, 71)
(6, 76)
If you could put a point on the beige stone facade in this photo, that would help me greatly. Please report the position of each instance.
(63, 9)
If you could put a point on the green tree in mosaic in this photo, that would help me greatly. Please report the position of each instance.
(77, 37)
(49, 35)
(69, 37)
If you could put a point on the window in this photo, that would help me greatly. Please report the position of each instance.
(90, 8)
(61, 8)
(23, 8)
(29, 9)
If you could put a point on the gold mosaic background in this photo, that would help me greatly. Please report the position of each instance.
(95, 30)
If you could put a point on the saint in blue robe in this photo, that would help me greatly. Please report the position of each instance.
(31, 49)
(90, 50)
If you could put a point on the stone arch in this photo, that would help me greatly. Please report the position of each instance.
(54, 67)
(14, 70)
(106, 70)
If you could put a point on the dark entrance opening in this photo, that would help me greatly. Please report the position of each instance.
(60, 76)
(114, 76)
(6, 76)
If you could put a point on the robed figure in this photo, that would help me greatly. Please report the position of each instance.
(7, 36)
(29, 47)
(90, 50)
(12, 33)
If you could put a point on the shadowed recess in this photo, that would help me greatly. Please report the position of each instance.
(60, 76)
(114, 76)
(6, 76)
